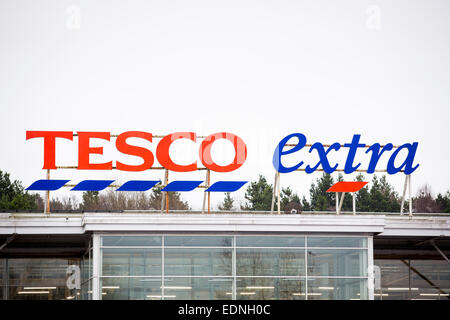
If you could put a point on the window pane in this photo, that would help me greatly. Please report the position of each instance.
(337, 262)
(344, 242)
(131, 288)
(270, 289)
(431, 278)
(2, 271)
(86, 290)
(41, 293)
(38, 272)
(135, 241)
(197, 241)
(86, 267)
(198, 288)
(39, 279)
(131, 262)
(427, 279)
(270, 241)
(270, 262)
(197, 262)
(394, 280)
(337, 289)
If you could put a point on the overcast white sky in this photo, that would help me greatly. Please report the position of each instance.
(259, 69)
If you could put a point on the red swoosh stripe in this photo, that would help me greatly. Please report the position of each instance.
(347, 186)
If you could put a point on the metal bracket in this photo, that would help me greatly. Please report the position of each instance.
(8, 241)
(439, 250)
(405, 186)
(339, 202)
(276, 193)
(207, 195)
(165, 195)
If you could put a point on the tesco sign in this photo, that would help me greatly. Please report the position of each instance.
(162, 150)
(162, 154)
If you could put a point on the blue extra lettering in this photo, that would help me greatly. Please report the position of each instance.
(376, 155)
(349, 168)
(279, 152)
(408, 163)
(323, 160)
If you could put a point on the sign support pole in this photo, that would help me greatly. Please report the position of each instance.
(410, 199)
(407, 185)
(207, 194)
(337, 202)
(208, 181)
(278, 192)
(167, 193)
(342, 201)
(354, 203)
(47, 196)
(165, 196)
(273, 192)
(403, 196)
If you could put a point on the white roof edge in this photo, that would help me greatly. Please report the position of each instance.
(233, 222)
(417, 227)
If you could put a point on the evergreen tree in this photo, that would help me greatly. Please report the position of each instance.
(320, 199)
(227, 204)
(305, 204)
(258, 195)
(443, 202)
(90, 201)
(13, 196)
(175, 202)
(363, 203)
(288, 196)
(383, 198)
(290, 200)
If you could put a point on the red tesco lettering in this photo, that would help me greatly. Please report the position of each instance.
(162, 150)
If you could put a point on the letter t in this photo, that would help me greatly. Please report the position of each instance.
(351, 154)
(49, 144)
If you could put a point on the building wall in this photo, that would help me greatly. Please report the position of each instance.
(305, 270)
(265, 266)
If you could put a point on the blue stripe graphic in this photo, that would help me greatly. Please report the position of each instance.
(135, 185)
(47, 185)
(92, 185)
(138, 185)
(226, 186)
(182, 185)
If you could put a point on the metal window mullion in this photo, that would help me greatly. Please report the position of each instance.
(96, 265)
(409, 279)
(306, 268)
(163, 252)
(233, 269)
(6, 277)
(370, 269)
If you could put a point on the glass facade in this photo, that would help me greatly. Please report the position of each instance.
(413, 279)
(46, 278)
(37, 279)
(225, 267)
(233, 267)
